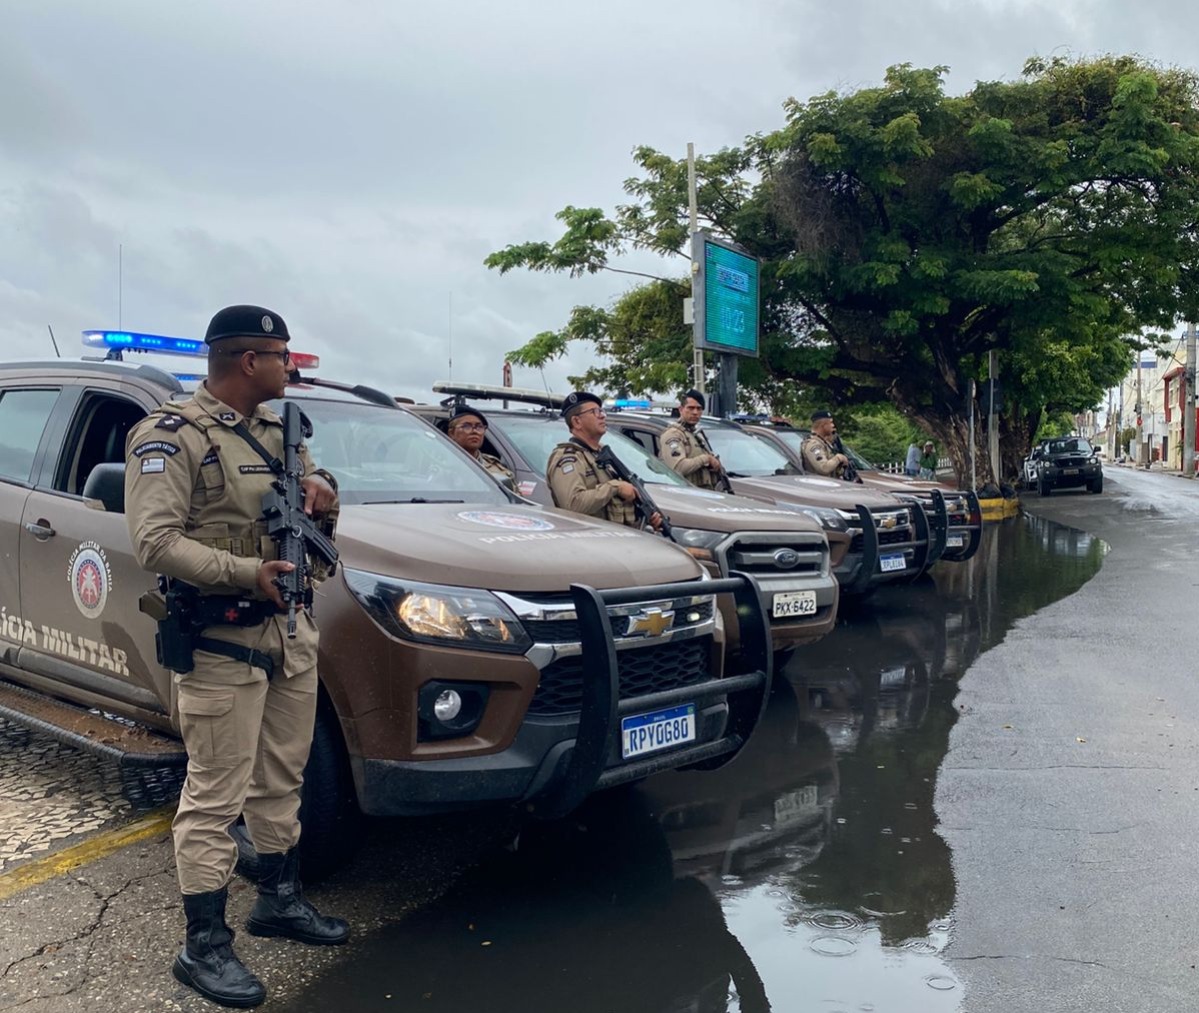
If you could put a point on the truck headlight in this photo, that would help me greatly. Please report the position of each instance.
(829, 519)
(698, 542)
(438, 613)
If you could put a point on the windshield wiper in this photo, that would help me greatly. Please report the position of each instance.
(414, 499)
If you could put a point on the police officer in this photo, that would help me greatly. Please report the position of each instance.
(685, 448)
(819, 455)
(577, 480)
(194, 486)
(467, 428)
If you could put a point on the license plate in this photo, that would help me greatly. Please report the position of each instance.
(647, 733)
(955, 541)
(1069, 471)
(892, 562)
(793, 603)
(794, 805)
(889, 678)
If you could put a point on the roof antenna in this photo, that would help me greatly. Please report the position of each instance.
(55, 343)
(544, 382)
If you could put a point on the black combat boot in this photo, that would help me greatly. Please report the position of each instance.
(281, 909)
(207, 962)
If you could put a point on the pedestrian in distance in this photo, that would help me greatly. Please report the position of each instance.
(928, 461)
(196, 473)
(911, 464)
(819, 454)
(578, 481)
(685, 448)
(467, 427)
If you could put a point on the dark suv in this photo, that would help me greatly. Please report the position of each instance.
(1066, 463)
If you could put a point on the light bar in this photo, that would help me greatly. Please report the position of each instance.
(144, 342)
(631, 402)
(304, 360)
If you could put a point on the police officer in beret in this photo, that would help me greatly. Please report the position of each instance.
(577, 480)
(467, 428)
(820, 457)
(685, 448)
(194, 486)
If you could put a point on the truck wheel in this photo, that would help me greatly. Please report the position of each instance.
(1043, 487)
(1096, 486)
(328, 812)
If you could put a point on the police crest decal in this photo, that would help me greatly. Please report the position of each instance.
(90, 577)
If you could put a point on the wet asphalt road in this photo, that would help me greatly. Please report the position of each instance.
(884, 843)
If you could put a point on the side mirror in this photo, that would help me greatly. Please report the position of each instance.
(105, 486)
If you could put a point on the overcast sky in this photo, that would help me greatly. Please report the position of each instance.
(350, 164)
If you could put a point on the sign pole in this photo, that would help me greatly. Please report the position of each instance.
(697, 362)
(1188, 407)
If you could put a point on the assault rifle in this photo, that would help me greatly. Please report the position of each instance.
(294, 532)
(850, 474)
(645, 502)
(722, 478)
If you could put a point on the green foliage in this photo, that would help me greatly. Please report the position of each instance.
(879, 433)
(1056, 424)
(905, 233)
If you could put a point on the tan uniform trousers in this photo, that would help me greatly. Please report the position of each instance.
(247, 742)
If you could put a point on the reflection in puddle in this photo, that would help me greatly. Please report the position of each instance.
(806, 875)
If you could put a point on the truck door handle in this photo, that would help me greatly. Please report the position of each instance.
(40, 529)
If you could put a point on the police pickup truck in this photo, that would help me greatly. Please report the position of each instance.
(474, 648)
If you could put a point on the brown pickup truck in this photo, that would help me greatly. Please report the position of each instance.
(475, 648)
(964, 522)
(785, 549)
(876, 538)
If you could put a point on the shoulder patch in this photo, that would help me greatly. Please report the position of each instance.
(170, 422)
(155, 445)
(567, 469)
(154, 465)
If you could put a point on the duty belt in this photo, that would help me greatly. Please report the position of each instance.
(230, 610)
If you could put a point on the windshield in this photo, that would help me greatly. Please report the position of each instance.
(536, 436)
(1073, 445)
(382, 456)
(743, 454)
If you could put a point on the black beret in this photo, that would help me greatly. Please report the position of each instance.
(576, 399)
(822, 414)
(694, 395)
(461, 411)
(246, 322)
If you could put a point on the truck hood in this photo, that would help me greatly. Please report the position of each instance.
(718, 511)
(504, 548)
(904, 483)
(809, 490)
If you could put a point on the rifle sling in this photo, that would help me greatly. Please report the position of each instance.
(272, 461)
(238, 652)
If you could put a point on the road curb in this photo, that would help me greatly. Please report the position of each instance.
(999, 509)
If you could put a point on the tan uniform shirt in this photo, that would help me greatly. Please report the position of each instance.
(577, 482)
(818, 458)
(684, 449)
(498, 469)
(193, 494)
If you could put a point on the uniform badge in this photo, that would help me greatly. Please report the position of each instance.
(171, 422)
(228, 416)
(268, 324)
(567, 469)
(210, 458)
(154, 465)
(90, 577)
(142, 449)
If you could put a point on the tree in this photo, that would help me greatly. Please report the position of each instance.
(905, 233)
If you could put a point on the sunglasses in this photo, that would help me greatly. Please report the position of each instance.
(285, 355)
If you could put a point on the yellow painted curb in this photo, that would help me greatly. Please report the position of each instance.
(43, 869)
(999, 509)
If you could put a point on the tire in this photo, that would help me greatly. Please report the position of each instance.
(328, 809)
(1043, 487)
(1096, 486)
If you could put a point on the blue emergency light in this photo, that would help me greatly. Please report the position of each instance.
(132, 341)
(629, 402)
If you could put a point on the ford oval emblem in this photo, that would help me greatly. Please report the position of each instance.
(786, 559)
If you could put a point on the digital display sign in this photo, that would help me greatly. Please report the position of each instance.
(726, 296)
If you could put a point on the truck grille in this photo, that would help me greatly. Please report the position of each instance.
(642, 670)
(763, 556)
(566, 631)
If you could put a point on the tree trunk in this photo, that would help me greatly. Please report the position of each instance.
(952, 433)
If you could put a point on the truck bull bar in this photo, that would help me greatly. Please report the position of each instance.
(584, 767)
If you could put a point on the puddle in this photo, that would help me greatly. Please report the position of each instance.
(806, 875)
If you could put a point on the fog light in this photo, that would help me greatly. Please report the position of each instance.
(447, 706)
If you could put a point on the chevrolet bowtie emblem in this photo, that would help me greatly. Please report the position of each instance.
(651, 622)
(887, 523)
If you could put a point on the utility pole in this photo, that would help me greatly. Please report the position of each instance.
(697, 367)
(1140, 407)
(1188, 411)
(1111, 428)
